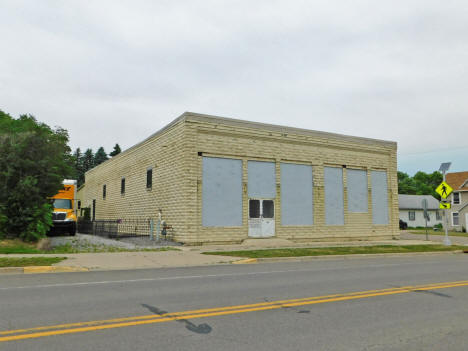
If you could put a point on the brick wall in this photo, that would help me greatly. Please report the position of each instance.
(177, 177)
(221, 140)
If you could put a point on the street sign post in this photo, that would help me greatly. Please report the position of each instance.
(445, 189)
(426, 215)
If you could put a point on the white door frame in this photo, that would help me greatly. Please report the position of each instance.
(261, 227)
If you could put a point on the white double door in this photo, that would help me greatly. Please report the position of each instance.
(261, 218)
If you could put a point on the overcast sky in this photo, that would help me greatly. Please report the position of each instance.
(116, 71)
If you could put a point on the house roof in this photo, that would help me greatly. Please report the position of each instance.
(414, 202)
(457, 180)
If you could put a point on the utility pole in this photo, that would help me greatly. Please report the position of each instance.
(444, 167)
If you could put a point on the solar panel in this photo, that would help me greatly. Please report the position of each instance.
(444, 167)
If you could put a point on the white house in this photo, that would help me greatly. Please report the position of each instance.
(458, 214)
(412, 212)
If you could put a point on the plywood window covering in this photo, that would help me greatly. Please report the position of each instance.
(221, 192)
(357, 190)
(334, 206)
(379, 197)
(297, 205)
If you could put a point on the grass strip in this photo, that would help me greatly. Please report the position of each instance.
(18, 250)
(326, 251)
(29, 261)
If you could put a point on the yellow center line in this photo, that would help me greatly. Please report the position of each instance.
(81, 327)
(152, 316)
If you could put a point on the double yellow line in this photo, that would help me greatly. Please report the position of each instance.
(81, 327)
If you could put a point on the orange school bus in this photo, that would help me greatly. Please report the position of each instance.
(64, 215)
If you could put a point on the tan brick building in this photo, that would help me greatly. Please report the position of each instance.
(220, 180)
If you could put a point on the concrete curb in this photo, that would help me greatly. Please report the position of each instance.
(11, 270)
(246, 261)
(331, 257)
(41, 269)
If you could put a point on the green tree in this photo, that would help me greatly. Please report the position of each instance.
(100, 156)
(78, 163)
(87, 160)
(420, 184)
(34, 160)
(116, 151)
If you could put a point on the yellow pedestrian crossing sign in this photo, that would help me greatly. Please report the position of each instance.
(444, 190)
(444, 205)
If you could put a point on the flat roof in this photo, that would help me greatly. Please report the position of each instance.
(200, 117)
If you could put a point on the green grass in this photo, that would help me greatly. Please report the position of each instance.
(432, 232)
(29, 261)
(17, 247)
(324, 251)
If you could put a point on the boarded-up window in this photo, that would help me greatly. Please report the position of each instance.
(334, 208)
(296, 194)
(149, 178)
(357, 190)
(221, 192)
(122, 186)
(379, 197)
(262, 179)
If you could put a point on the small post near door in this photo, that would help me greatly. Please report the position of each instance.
(261, 218)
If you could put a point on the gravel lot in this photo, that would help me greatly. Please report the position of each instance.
(85, 241)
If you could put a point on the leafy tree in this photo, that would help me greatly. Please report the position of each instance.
(116, 151)
(420, 184)
(100, 156)
(34, 160)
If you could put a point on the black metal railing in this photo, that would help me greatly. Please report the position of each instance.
(120, 228)
(84, 226)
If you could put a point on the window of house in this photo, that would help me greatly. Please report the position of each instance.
(149, 178)
(122, 186)
(455, 219)
(79, 204)
(456, 198)
(411, 215)
(438, 216)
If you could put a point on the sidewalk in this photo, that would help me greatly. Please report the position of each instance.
(191, 255)
(437, 239)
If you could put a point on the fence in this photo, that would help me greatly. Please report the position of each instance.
(121, 228)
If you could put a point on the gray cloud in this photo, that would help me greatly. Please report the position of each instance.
(117, 71)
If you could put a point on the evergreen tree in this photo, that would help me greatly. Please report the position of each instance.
(100, 156)
(87, 160)
(116, 151)
(78, 162)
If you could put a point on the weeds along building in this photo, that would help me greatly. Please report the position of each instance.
(221, 180)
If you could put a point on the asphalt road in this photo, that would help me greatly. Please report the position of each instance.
(188, 308)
